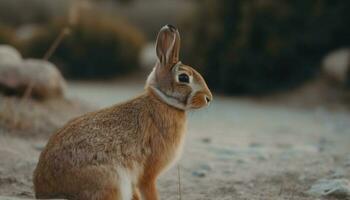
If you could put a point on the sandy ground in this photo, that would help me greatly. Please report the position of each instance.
(238, 148)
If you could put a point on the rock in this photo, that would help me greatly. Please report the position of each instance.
(47, 81)
(148, 57)
(199, 173)
(202, 170)
(336, 66)
(8, 54)
(330, 187)
(16, 75)
(10, 77)
(10, 60)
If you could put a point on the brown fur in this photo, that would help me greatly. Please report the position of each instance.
(85, 159)
(88, 154)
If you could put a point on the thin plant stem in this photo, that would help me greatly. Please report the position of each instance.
(56, 43)
(179, 182)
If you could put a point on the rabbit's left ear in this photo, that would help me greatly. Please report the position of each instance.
(168, 46)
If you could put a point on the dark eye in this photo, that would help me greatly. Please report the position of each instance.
(183, 78)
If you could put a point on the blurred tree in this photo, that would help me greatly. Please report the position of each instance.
(257, 46)
(98, 46)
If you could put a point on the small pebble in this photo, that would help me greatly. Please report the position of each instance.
(199, 173)
(206, 140)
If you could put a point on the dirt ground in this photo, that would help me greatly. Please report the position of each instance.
(238, 148)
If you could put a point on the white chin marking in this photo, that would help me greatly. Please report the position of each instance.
(125, 185)
(169, 100)
(151, 83)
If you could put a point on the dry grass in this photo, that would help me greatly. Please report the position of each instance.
(31, 117)
(9, 116)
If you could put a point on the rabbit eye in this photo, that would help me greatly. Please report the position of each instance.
(184, 78)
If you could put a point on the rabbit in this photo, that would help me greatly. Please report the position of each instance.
(118, 153)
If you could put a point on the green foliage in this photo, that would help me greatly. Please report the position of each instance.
(258, 46)
(97, 46)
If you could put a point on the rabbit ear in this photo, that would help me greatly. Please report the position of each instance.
(168, 46)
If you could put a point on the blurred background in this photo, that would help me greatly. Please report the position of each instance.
(241, 47)
(279, 124)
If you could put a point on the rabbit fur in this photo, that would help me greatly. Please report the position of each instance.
(117, 153)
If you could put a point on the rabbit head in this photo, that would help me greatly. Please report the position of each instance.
(177, 84)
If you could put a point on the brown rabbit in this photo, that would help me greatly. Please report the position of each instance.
(117, 153)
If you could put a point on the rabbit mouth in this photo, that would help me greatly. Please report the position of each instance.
(199, 100)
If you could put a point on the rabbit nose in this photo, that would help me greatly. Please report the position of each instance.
(208, 99)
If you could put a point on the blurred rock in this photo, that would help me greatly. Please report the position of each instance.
(47, 81)
(16, 75)
(10, 60)
(148, 56)
(8, 54)
(9, 75)
(336, 66)
(330, 187)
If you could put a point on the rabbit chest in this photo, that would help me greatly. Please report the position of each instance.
(167, 142)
